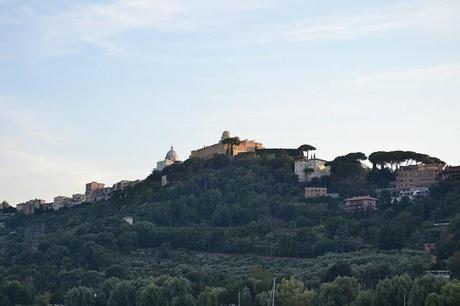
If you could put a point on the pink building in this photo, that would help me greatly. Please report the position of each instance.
(361, 203)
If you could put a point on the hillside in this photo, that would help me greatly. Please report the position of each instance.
(224, 225)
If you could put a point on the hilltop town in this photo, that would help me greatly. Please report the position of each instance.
(235, 214)
(412, 180)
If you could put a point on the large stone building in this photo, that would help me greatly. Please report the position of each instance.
(63, 201)
(98, 192)
(170, 159)
(93, 190)
(317, 168)
(221, 147)
(417, 176)
(103, 194)
(29, 207)
(361, 203)
(60, 202)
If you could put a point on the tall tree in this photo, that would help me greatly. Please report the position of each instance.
(152, 295)
(18, 294)
(341, 292)
(124, 294)
(292, 292)
(231, 142)
(79, 296)
(211, 296)
(393, 291)
(306, 148)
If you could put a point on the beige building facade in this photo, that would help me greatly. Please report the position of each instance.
(417, 176)
(60, 202)
(29, 207)
(92, 190)
(243, 146)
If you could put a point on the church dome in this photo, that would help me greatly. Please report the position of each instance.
(225, 135)
(172, 155)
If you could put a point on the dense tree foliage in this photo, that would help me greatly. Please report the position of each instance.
(223, 228)
(393, 159)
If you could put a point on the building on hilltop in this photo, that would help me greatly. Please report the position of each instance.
(61, 201)
(308, 169)
(315, 192)
(124, 184)
(103, 194)
(170, 159)
(92, 190)
(361, 203)
(78, 198)
(451, 172)
(227, 146)
(416, 176)
(29, 207)
(98, 192)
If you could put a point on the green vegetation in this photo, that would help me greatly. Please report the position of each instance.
(224, 228)
(393, 159)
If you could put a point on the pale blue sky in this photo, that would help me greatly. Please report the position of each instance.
(99, 90)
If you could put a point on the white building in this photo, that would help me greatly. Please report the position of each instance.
(317, 168)
(413, 193)
(129, 220)
(171, 158)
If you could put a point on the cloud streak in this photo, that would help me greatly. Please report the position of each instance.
(68, 28)
(443, 72)
(99, 25)
(435, 18)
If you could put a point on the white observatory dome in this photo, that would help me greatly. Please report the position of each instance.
(225, 135)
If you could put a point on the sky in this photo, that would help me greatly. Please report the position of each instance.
(100, 90)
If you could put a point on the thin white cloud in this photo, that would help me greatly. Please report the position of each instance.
(98, 24)
(434, 17)
(245, 4)
(67, 28)
(442, 72)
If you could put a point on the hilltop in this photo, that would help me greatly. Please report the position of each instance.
(225, 222)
